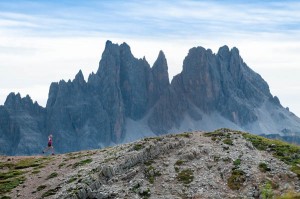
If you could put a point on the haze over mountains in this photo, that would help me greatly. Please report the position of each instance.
(126, 99)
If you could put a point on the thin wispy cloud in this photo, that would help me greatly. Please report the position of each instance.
(152, 18)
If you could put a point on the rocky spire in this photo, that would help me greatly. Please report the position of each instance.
(201, 78)
(79, 77)
(109, 61)
(224, 52)
(13, 100)
(160, 81)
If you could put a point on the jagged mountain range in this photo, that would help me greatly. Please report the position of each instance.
(126, 99)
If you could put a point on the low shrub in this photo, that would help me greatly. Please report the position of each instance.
(179, 162)
(145, 194)
(82, 162)
(41, 187)
(138, 147)
(185, 176)
(151, 173)
(267, 191)
(237, 162)
(228, 141)
(50, 192)
(263, 167)
(52, 175)
(236, 180)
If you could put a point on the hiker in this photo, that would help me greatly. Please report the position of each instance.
(50, 145)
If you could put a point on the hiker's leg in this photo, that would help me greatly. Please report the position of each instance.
(46, 149)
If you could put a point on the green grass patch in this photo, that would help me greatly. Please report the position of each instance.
(61, 165)
(4, 165)
(288, 153)
(226, 159)
(5, 197)
(145, 194)
(50, 192)
(149, 162)
(179, 162)
(267, 191)
(216, 158)
(28, 162)
(10, 174)
(223, 132)
(9, 180)
(76, 155)
(8, 184)
(263, 167)
(35, 171)
(41, 187)
(225, 148)
(228, 141)
(72, 156)
(109, 159)
(185, 176)
(23, 164)
(290, 195)
(52, 175)
(296, 170)
(237, 162)
(138, 147)
(236, 180)
(14, 176)
(220, 134)
(153, 138)
(135, 188)
(215, 134)
(82, 162)
(72, 179)
(184, 135)
(151, 173)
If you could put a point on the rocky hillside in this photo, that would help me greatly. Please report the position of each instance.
(126, 100)
(219, 164)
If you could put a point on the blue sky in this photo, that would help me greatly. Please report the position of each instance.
(150, 18)
(45, 41)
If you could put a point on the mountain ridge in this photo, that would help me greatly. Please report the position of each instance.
(220, 164)
(211, 91)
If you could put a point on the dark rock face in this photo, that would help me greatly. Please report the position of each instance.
(168, 112)
(200, 78)
(9, 133)
(159, 82)
(134, 78)
(109, 88)
(92, 114)
(221, 83)
(75, 117)
(22, 125)
(243, 89)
